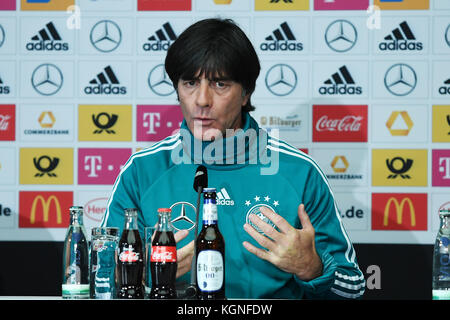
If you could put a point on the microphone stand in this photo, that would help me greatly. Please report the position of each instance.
(191, 290)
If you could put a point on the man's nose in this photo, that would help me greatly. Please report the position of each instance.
(203, 98)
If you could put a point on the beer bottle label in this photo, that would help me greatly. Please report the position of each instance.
(210, 270)
(209, 213)
(164, 254)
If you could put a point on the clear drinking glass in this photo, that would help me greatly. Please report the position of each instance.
(104, 243)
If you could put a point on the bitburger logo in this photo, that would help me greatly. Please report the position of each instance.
(105, 83)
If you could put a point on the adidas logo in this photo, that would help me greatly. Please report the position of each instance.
(340, 82)
(4, 89)
(105, 82)
(161, 40)
(281, 39)
(223, 198)
(47, 39)
(401, 38)
(446, 88)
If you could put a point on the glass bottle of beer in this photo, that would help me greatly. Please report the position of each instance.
(210, 247)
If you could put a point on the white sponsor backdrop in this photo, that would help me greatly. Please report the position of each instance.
(398, 67)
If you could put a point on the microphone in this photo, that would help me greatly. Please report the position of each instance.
(200, 182)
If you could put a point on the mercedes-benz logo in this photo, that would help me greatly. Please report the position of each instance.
(447, 35)
(2, 35)
(105, 36)
(182, 220)
(281, 79)
(341, 35)
(47, 79)
(400, 79)
(159, 82)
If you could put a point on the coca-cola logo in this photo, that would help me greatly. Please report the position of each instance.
(164, 254)
(347, 123)
(340, 123)
(4, 123)
(129, 256)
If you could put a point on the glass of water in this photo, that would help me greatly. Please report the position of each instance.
(104, 243)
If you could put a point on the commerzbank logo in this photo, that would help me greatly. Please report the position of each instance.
(399, 123)
(44, 209)
(399, 211)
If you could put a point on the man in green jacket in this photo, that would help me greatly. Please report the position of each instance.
(282, 228)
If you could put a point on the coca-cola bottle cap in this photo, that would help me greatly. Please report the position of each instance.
(164, 210)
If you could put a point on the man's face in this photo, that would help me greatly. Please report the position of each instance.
(211, 106)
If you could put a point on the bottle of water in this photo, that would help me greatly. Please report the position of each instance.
(75, 284)
(441, 260)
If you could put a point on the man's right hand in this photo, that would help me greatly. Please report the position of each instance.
(185, 254)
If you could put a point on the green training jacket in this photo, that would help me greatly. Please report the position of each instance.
(249, 170)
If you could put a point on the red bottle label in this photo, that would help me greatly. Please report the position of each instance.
(164, 254)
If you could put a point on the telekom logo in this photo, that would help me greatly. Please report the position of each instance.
(347, 123)
(156, 122)
(441, 168)
(101, 166)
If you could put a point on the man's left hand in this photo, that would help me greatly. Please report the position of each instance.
(292, 250)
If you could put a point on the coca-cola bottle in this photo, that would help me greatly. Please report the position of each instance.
(163, 260)
(130, 267)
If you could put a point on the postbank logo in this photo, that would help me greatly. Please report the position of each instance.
(46, 5)
(399, 211)
(266, 5)
(44, 209)
(104, 122)
(402, 4)
(46, 166)
(441, 123)
(164, 5)
(399, 167)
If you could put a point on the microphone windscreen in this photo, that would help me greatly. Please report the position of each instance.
(201, 178)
